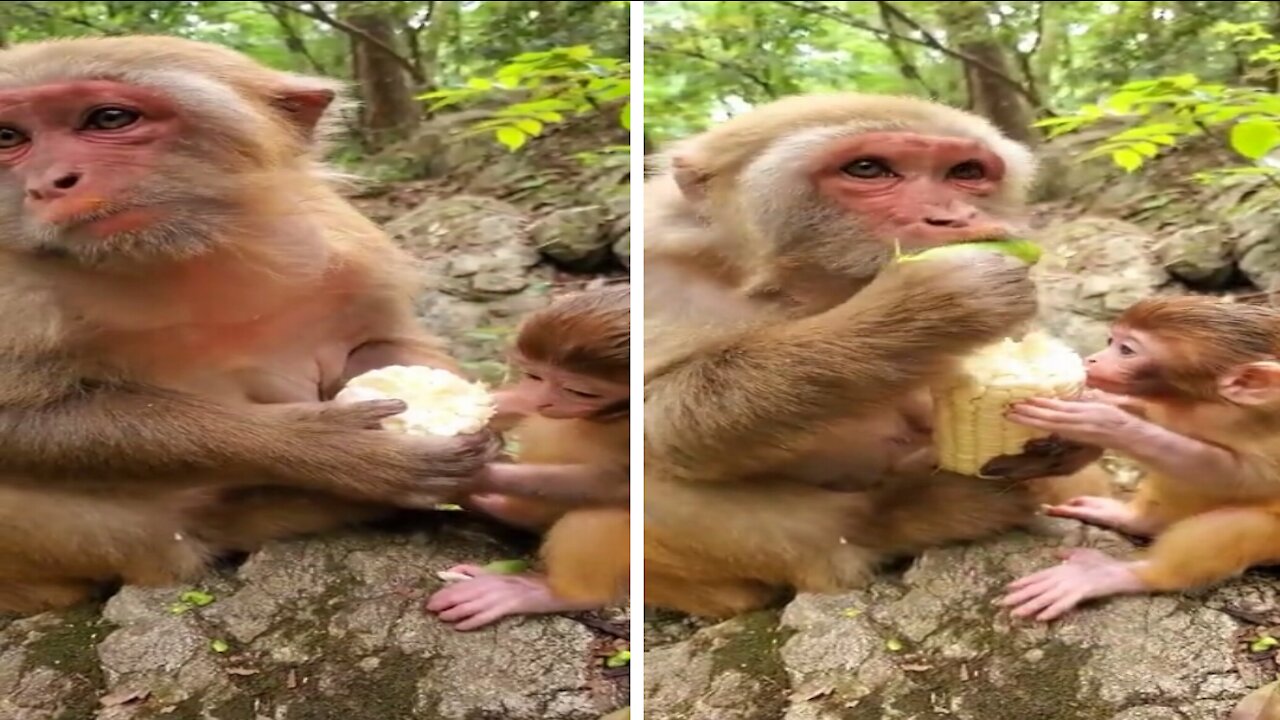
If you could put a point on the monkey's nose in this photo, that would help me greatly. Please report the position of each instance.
(55, 189)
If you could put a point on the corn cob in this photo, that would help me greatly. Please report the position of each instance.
(440, 403)
(969, 424)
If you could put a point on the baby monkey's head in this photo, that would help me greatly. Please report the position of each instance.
(574, 356)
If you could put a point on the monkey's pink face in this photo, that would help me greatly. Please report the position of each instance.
(86, 166)
(559, 394)
(916, 190)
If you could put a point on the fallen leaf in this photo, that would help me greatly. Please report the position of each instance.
(618, 659)
(123, 697)
(196, 597)
(894, 645)
(243, 672)
(507, 567)
(219, 646)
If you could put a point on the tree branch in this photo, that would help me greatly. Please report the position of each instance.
(926, 39)
(49, 15)
(727, 65)
(292, 39)
(1024, 59)
(315, 12)
(909, 70)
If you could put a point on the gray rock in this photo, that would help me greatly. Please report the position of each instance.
(1201, 256)
(933, 645)
(622, 249)
(1093, 268)
(316, 628)
(577, 238)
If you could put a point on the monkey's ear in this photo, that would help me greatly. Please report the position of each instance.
(1256, 383)
(690, 177)
(304, 105)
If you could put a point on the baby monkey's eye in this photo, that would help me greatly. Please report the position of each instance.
(970, 170)
(531, 376)
(581, 394)
(1125, 350)
(11, 138)
(111, 118)
(867, 169)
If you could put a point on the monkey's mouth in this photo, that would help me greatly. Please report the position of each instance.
(106, 222)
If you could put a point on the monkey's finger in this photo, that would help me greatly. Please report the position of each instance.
(364, 415)
(464, 592)
(1039, 603)
(488, 616)
(467, 609)
(1023, 593)
(1061, 606)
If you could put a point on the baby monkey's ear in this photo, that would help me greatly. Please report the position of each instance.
(1256, 383)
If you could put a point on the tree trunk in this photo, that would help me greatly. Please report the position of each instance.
(970, 32)
(388, 109)
(444, 15)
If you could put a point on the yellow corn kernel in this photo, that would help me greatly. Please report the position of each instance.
(439, 402)
(969, 424)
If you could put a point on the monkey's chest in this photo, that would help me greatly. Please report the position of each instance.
(852, 450)
(284, 356)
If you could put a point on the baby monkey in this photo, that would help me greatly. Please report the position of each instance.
(569, 412)
(1190, 388)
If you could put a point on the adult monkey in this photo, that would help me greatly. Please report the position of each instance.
(787, 433)
(182, 292)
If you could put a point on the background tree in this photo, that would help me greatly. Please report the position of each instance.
(1015, 61)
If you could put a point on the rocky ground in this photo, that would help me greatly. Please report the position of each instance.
(925, 643)
(332, 628)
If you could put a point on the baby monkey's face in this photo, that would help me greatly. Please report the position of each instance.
(556, 393)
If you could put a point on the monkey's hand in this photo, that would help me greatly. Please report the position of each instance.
(1083, 421)
(350, 455)
(1043, 457)
(980, 296)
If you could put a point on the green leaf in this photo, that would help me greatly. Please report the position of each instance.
(1255, 137)
(894, 645)
(480, 84)
(1127, 159)
(512, 137)
(622, 658)
(219, 646)
(624, 116)
(507, 567)
(1263, 644)
(529, 127)
(196, 598)
(579, 52)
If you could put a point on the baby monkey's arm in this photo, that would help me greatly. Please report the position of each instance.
(574, 484)
(1177, 457)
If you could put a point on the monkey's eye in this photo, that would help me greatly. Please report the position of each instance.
(1125, 350)
(581, 394)
(11, 138)
(867, 169)
(969, 170)
(531, 376)
(111, 118)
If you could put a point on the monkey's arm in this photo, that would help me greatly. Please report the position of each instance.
(147, 434)
(741, 403)
(576, 484)
(1200, 465)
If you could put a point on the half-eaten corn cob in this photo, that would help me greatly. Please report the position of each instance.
(440, 402)
(969, 424)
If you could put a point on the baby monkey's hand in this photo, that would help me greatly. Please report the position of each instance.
(1091, 422)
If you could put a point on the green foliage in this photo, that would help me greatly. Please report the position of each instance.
(552, 84)
(706, 61)
(1169, 111)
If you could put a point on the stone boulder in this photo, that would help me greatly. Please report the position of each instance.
(932, 644)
